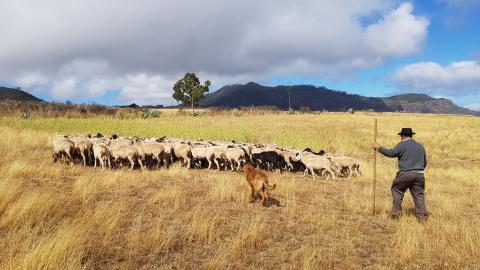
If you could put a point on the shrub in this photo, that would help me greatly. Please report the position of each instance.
(148, 114)
(24, 115)
(304, 109)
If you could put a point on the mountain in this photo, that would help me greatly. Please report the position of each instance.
(16, 94)
(421, 103)
(322, 98)
(316, 98)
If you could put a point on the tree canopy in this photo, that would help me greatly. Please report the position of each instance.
(189, 91)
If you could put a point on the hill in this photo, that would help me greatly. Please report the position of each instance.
(421, 103)
(15, 94)
(322, 98)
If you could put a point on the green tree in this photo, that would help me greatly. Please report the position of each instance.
(189, 91)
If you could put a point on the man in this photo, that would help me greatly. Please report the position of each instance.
(412, 161)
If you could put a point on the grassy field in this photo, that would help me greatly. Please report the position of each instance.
(54, 216)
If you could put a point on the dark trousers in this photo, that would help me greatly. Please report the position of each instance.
(415, 182)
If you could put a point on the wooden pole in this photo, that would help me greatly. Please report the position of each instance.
(374, 165)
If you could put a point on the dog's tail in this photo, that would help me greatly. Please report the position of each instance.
(271, 187)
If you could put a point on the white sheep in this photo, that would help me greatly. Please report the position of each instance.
(128, 152)
(313, 162)
(63, 147)
(344, 162)
(102, 153)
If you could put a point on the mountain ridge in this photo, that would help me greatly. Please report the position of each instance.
(16, 94)
(322, 98)
(313, 97)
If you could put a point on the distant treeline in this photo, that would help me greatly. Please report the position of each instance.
(26, 109)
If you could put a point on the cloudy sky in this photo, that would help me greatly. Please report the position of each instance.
(118, 51)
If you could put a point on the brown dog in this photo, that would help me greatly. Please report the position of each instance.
(258, 182)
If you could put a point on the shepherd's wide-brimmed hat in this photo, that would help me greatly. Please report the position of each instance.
(406, 132)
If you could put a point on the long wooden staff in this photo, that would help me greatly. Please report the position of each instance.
(374, 165)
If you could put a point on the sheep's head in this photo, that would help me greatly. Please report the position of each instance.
(297, 156)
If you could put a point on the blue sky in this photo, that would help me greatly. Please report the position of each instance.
(453, 35)
(136, 53)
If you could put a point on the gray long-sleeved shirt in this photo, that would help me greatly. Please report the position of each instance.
(411, 155)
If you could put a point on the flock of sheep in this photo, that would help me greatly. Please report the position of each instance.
(118, 151)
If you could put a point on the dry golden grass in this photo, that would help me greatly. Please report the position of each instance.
(55, 216)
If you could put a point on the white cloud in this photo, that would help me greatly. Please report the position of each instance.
(146, 89)
(32, 79)
(398, 33)
(102, 43)
(65, 89)
(98, 87)
(456, 79)
(85, 68)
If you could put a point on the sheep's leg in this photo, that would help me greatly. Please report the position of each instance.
(239, 164)
(188, 163)
(132, 163)
(209, 163)
(115, 159)
(95, 163)
(109, 164)
(231, 163)
(305, 172)
(83, 157)
(102, 162)
(313, 172)
(165, 162)
(141, 164)
(330, 173)
(70, 158)
(216, 163)
(158, 161)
